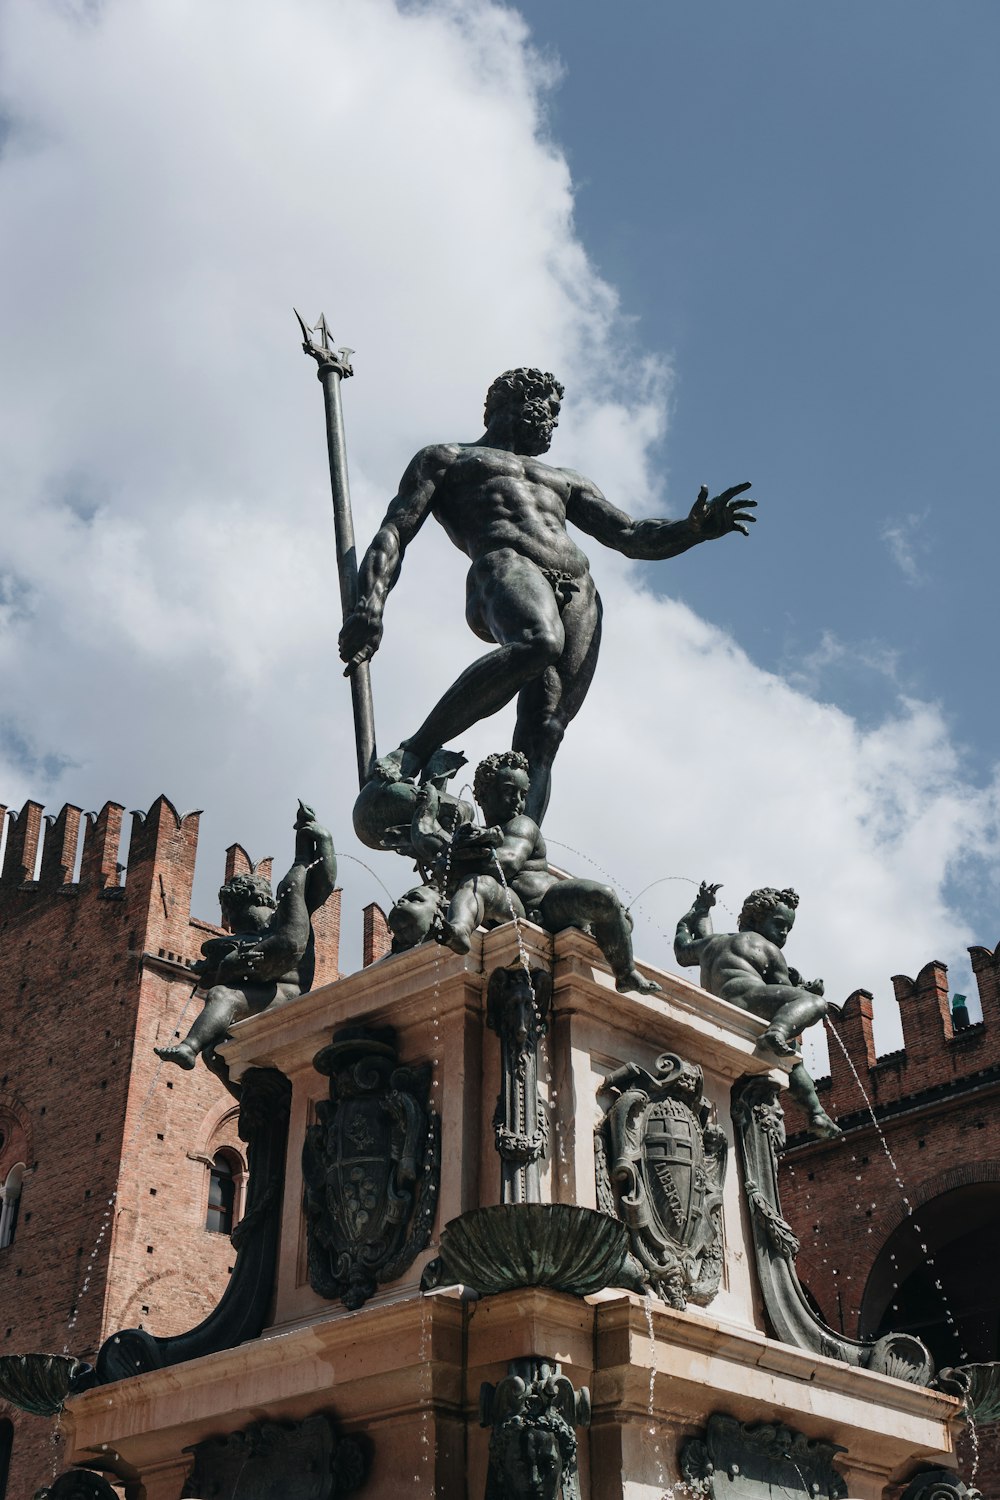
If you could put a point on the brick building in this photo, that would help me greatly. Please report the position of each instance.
(117, 1173)
(899, 1220)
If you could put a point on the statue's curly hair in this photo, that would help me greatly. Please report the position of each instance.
(241, 888)
(523, 385)
(486, 771)
(762, 902)
(543, 1418)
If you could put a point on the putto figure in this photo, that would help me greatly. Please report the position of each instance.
(490, 875)
(748, 969)
(529, 590)
(269, 956)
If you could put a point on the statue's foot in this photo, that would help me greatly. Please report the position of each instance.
(458, 939)
(822, 1127)
(410, 764)
(183, 1055)
(633, 983)
(775, 1041)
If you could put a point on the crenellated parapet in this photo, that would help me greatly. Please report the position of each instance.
(153, 881)
(942, 1052)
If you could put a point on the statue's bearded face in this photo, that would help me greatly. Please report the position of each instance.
(532, 420)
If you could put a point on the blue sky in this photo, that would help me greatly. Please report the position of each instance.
(756, 242)
(799, 203)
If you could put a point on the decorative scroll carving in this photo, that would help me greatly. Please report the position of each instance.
(533, 1412)
(760, 1134)
(371, 1166)
(939, 1484)
(265, 1100)
(758, 1460)
(517, 1006)
(279, 1461)
(668, 1163)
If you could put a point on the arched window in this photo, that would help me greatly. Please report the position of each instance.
(6, 1444)
(221, 1195)
(10, 1202)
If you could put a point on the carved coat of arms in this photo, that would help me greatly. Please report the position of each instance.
(371, 1166)
(661, 1164)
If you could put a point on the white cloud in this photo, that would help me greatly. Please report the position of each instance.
(907, 545)
(175, 178)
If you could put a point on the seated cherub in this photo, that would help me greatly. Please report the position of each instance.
(748, 969)
(490, 875)
(269, 956)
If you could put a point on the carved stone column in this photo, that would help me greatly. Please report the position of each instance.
(517, 1008)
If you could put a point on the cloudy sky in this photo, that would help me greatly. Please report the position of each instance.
(754, 242)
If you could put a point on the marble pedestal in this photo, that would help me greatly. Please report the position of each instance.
(405, 1369)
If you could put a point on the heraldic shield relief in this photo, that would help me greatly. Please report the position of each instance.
(661, 1164)
(371, 1166)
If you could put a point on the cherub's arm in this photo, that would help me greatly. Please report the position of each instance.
(695, 926)
(362, 630)
(708, 519)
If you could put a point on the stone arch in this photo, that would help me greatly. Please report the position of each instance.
(219, 1136)
(16, 1135)
(933, 1274)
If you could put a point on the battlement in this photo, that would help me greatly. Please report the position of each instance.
(936, 1056)
(155, 880)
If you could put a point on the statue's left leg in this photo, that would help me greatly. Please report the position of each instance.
(803, 1090)
(796, 1009)
(587, 903)
(546, 705)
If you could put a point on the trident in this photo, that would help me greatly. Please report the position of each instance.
(334, 366)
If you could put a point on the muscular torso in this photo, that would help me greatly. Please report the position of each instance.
(733, 964)
(487, 499)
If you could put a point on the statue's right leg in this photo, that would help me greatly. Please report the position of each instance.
(222, 1007)
(509, 601)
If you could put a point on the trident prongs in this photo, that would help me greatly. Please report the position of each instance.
(323, 353)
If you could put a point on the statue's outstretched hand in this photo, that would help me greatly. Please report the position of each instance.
(723, 513)
(360, 636)
(705, 899)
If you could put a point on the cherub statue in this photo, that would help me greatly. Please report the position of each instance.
(492, 874)
(748, 969)
(268, 957)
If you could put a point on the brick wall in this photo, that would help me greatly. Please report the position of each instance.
(94, 974)
(865, 1206)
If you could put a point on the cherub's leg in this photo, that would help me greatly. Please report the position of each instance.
(796, 1009)
(222, 1007)
(573, 903)
(546, 705)
(465, 912)
(802, 1089)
